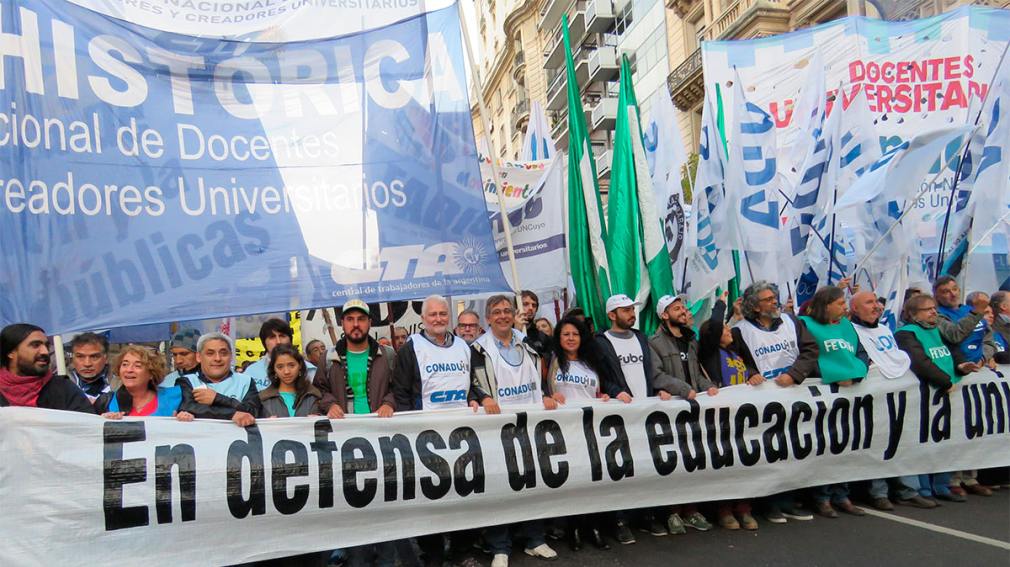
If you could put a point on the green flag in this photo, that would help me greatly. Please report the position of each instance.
(587, 235)
(640, 263)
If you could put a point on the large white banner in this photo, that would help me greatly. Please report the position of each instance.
(917, 76)
(78, 489)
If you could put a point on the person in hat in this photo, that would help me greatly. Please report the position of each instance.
(361, 371)
(631, 375)
(674, 354)
(183, 351)
(25, 377)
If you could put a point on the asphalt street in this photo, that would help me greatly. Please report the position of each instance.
(973, 533)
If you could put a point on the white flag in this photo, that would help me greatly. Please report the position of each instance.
(537, 145)
(990, 230)
(708, 266)
(664, 149)
(752, 181)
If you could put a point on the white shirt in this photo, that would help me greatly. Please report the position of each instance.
(882, 348)
(629, 354)
(580, 383)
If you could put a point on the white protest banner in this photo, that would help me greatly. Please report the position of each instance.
(78, 489)
(534, 199)
(917, 76)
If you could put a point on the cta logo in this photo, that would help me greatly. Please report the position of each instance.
(445, 396)
(394, 263)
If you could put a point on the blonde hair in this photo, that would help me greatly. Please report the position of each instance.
(153, 363)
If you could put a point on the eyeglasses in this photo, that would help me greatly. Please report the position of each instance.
(767, 299)
(468, 325)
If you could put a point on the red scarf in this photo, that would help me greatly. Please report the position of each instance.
(22, 390)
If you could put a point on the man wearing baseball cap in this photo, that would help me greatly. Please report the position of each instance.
(632, 376)
(361, 372)
(674, 357)
(183, 351)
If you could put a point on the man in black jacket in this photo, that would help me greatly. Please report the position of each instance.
(534, 337)
(26, 380)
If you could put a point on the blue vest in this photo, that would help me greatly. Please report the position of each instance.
(168, 401)
(235, 386)
(971, 347)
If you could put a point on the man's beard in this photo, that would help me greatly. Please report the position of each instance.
(30, 369)
(357, 340)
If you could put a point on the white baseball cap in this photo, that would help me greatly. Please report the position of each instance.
(619, 300)
(667, 300)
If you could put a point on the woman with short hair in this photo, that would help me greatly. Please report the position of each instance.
(141, 371)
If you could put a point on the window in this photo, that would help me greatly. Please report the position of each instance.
(694, 32)
(623, 18)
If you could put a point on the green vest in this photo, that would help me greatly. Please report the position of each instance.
(935, 349)
(837, 345)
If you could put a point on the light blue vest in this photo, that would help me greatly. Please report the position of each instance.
(235, 386)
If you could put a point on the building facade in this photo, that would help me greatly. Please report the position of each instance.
(522, 57)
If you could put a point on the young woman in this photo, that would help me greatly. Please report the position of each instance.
(721, 362)
(575, 374)
(290, 394)
(724, 367)
(140, 372)
(544, 326)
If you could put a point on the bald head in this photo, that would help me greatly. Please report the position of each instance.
(864, 305)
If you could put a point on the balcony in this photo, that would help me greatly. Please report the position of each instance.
(603, 161)
(556, 92)
(554, 54)
(551, 13)
(603, 65)
(599, 15)
(520, 114)
(746, 19)
(687, 83)
(592, 65)
(519, 67)
(559, 129)
(604, 114)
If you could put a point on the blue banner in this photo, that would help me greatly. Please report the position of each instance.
(150, 176)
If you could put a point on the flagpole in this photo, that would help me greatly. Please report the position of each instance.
(960, 166)
(910, 206)
(482, 110)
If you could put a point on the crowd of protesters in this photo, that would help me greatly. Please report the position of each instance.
(519, 359)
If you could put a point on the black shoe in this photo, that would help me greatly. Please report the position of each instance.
(574, 540)
(952, 497)
(555, 533)
(597, 540)
(624, 535)
(655, 527)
